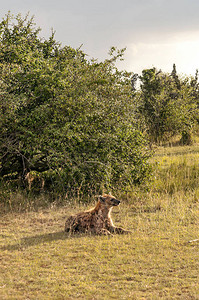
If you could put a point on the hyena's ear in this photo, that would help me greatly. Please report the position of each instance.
(102, 199)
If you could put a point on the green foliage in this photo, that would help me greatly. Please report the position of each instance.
(168, 104)
(67, 118)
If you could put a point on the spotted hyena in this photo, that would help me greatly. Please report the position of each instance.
(97, 220)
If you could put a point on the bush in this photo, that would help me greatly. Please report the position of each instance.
(68, 119)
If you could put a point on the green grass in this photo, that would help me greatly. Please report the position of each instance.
(157, 261)
(177, 170)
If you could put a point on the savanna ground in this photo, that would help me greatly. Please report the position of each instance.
(159, 260)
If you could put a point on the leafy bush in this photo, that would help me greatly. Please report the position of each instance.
(68, 119)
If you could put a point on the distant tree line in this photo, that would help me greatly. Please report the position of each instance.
(168, 104)
(79, 125)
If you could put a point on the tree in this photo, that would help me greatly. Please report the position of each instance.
(64, 117)
(167, 104)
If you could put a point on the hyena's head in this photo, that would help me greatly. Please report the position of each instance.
(109, 200)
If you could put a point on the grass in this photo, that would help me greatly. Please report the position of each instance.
(157, 261)
(177, 169)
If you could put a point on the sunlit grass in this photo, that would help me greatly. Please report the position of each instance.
(40, 261)
(177, 169)
(157, 261)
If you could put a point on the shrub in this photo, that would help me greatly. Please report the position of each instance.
(68, 119)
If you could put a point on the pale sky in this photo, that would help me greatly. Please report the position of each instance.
(157, 33)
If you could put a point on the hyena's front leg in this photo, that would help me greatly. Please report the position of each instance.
(118, 230)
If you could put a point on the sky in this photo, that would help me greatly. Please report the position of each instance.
(156, 33)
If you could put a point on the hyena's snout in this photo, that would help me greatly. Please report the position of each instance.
(116, 202)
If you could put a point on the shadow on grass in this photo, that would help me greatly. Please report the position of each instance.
(37, 239)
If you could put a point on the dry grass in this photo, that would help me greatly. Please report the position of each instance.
(39, 261)
(157, 261)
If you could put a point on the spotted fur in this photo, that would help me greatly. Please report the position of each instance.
(96, 220)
